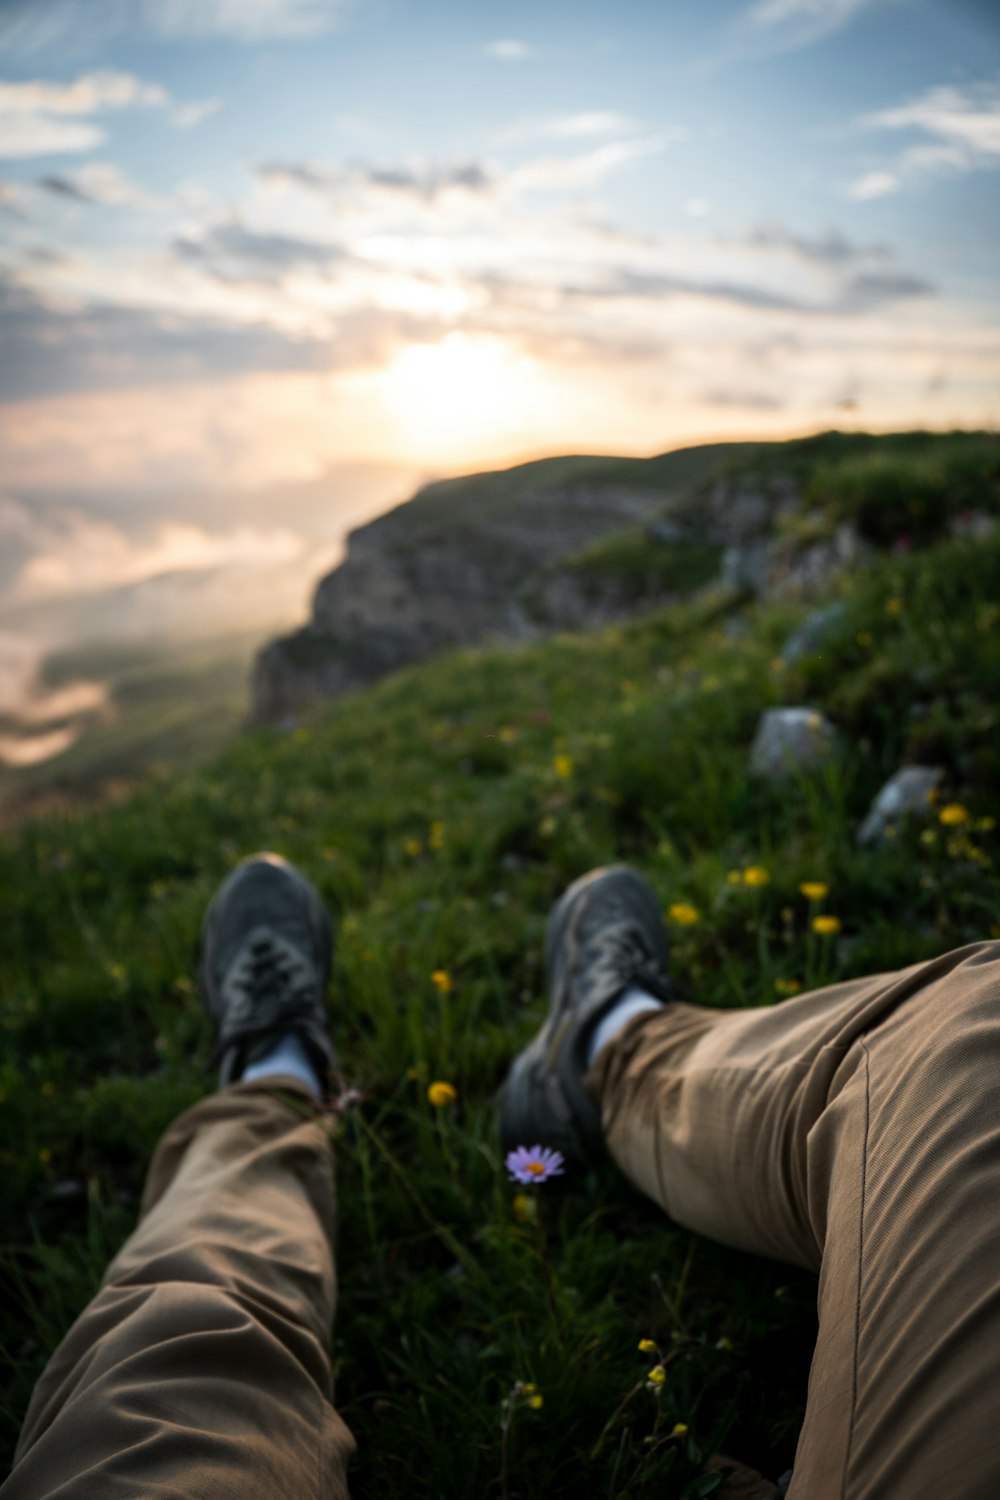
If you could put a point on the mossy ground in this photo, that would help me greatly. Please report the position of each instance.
(440, 814)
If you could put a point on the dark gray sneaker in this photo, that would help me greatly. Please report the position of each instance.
(266, 951)
(604, 935)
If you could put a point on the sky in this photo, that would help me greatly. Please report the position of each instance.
(265, 265)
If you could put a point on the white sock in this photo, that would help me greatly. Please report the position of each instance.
(632, 1003)
(288, 1057)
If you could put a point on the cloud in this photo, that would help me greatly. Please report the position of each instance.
(51, 348)
(97, 182)
(567, 127)
(246, 20)
(233, 252)
(830, 249)
(787, 25)
(510, 49)
(187, 116)
(963, 130)
(587, 168)
(424, 183)
(39, 118)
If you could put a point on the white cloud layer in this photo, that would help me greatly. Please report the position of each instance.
(509, 49)
(774, 26)
(961, 127)
(39, 118)
(246, 20)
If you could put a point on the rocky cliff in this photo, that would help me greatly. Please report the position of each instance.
(470, 559)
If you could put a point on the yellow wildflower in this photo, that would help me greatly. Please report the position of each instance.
(680, 1430)
(894, 606)
(412, 847)
(507, 734)
(657, 1375)
(826, 926)
(683, 913)
(734, 877)
(440, 1094)
(548, 826)
(787, 986)
(953, 815)
(435, 838)
(442, 981)
(929, 837)
(528, 1388)
(562, 765)
(986, 825)
(814, 890)
(647, 1346)
(756, 875)
(536, 1402)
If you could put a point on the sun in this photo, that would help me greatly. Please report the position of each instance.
(462, 398)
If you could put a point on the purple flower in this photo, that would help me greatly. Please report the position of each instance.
(534, 1164)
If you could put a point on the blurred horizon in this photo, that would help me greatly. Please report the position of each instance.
(269, 265)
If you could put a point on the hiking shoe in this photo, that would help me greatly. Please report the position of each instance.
(603, 936)
(266, 950)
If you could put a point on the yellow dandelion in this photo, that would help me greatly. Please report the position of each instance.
(507, 734)
(562, 765)
(647, 1346)
(435, 838)
(441, 1094)
(657, 1375)
(814, 890)
(412, 847)
(787, 986)
(756, 875)
(826, 926)
(680, 1429)
(683, 913)
(442, 981)
(528, 1387)
(953, 815)
(929, 837)
(536, 1401)
(985, 825)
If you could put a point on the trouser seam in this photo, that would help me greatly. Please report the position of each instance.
(861, 1269)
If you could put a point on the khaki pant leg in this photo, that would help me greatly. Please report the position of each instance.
(855, 1130)
(201, 1369)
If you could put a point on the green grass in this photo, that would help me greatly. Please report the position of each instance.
(440, 814)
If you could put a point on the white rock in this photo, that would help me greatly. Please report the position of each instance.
(907, 792)
(790, 740)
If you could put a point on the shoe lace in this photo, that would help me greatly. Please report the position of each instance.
(269, 977)
(620, 956)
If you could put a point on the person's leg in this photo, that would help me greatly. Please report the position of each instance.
(201, 1369)
(855, 1130)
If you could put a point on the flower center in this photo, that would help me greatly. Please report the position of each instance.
(536, 1168)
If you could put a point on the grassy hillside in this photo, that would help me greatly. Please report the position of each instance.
(440, 814)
